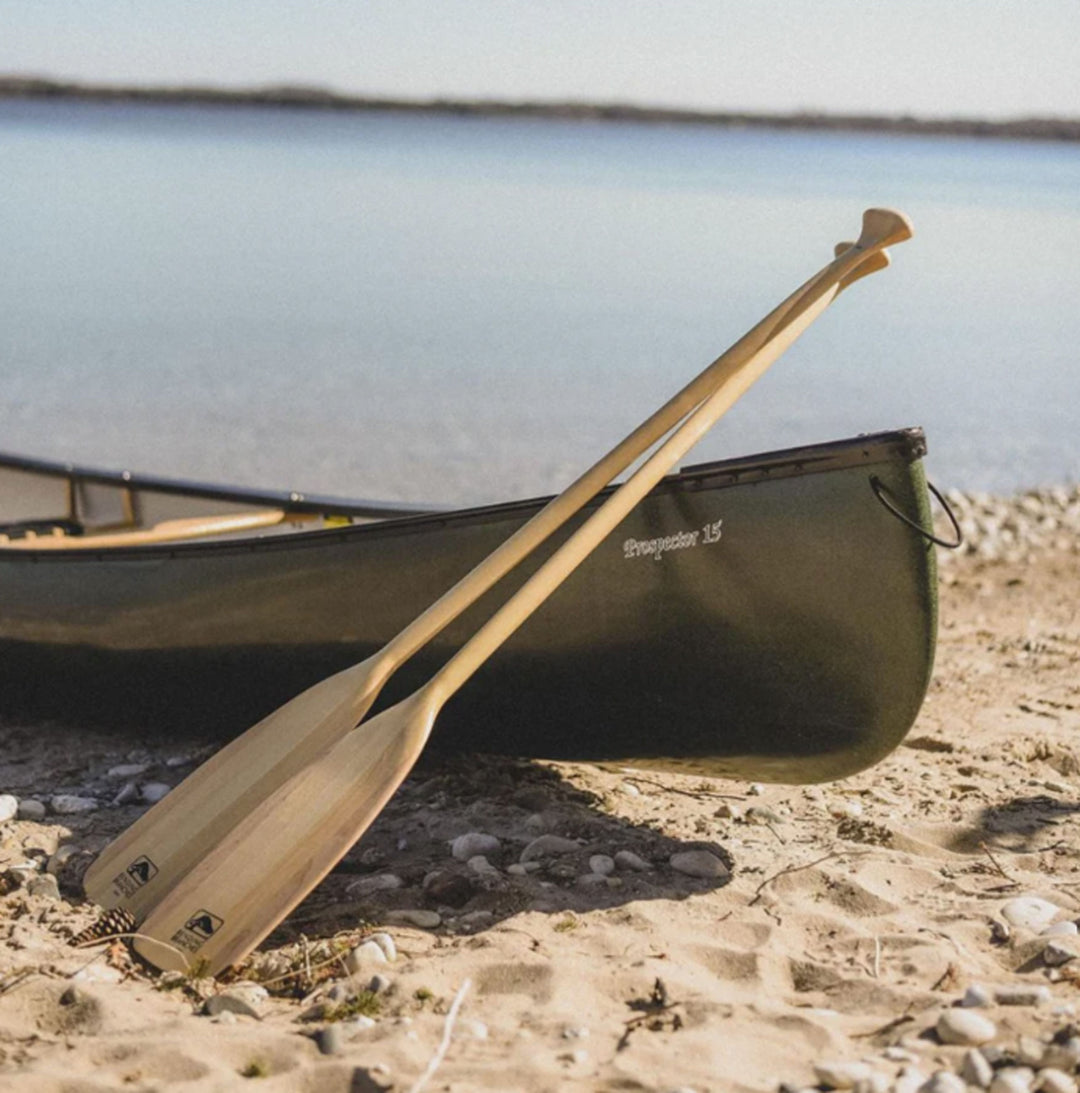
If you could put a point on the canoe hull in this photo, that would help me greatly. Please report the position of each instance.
(764, 618)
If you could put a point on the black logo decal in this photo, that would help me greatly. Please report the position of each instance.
(203, 924)
(141, 870)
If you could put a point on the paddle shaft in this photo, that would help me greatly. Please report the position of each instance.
(881, 227)
(285, 846)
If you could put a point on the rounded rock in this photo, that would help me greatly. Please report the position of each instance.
(386, 943)
(943, 1081)
(9, 807)
(474, 843)
(45, 885)
(962, 1026)
(69, 804)
(380, 882)
(1057, 951)
(415, 916)
(627, 859)
(363, 956)
(1022, 995)
(1064, 928)
(842, 1075)
(1013, 1079)
(602, 864)
(975, 1070)
(1052, 1080)
(479, 864)
(331, 1040)
(976, 997)
(1029, 912)
(545, 845)
(699, 863)
(29, 809)
(153, 792)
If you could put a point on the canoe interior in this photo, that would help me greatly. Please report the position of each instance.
(763, 618)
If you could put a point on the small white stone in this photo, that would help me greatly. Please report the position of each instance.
(699, 863)
(630, 789)
(419, 917)
(943, 1081)
(546, 845)
(479, 864)
(910, 1080)
(842, 1075)
(1029, 912)
(9, 807)
(845, 810)
(1058, 951)
(476, 1029)
(472, 844)
(755, 789)
(962, 1026)
(601, 863)
(627, 859)
(1052, 1080)
(976, 997)
(128, 770)
(1029, 1051)
(380, 882)
(386, 943)
(365, 955)
(68, 804)
(153, 792)
(975, 1070)
(1064, 928)
(1012, 1079)
(29, 809)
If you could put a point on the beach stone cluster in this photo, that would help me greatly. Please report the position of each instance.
(1010, 529)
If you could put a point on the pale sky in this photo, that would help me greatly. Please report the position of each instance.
(981, 58)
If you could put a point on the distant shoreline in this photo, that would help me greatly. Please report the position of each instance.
(307, 98)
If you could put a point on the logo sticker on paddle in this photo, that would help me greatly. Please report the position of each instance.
(141, 871)
(197, 931)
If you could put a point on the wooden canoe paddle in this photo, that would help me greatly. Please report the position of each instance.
(159, 848)
(217, 912)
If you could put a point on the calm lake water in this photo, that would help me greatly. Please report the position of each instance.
(464, 310)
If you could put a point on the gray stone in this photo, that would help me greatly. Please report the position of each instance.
(1022, 995)
(479, 864)
(414, 916)
(627, 859)
(699, 863)
(128, 770)
(473, 843)
(9, 807)
(1064, 928)
(963, 1026)
(29, 809)
(364, 956)
(378, 984)
(975, 1070)
(68, 804)
(330, 1040)
(153, 792)
(976, 997)
(45, 885)
(547, 845)
(386, 943)
(602, 864)
(380, 882)
(1060, 950)
(242, 999)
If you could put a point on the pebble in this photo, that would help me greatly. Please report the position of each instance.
(330, 1039)
(1012, 1079)
(380, 882)
(479, 864)
(842, 1075)
(1052, 1080)
(845, 810)
(414, 916)
(962, 1026)
(627, 859)
(943, 1081)
(127, 794)
(1029, 1051)
(1022, 995)
(975, 1070)
(127, 770)
(1063, 1056)
(9, 807)
(242, 999)
(453, 889)
(45, 885)
(378, 984)
(910, 1080)
(1057, 952)
(544, 845)
(1065, 928)
(68, 804)
(699, 863)
(1029, 912)
(591, 880)
(363, 956)
(602, 864)
(473, 844)
(976, 997)
(386, 943)
(29, 809)
(153, 792)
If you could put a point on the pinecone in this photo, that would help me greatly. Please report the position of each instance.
(116, 921)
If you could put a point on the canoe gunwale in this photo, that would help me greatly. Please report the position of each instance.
(908, 445)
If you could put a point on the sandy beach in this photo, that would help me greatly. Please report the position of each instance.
(515, 925)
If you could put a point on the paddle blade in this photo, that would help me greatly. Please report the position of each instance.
(883, 228)
(260, 871)
(152, 855)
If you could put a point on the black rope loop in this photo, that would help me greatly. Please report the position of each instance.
(881, 492)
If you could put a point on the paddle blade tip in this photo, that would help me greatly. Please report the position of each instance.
(883, 227)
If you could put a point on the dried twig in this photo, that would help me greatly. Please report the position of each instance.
(798, 868)
(697, 794)
(448, 1028)
(996, 864)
